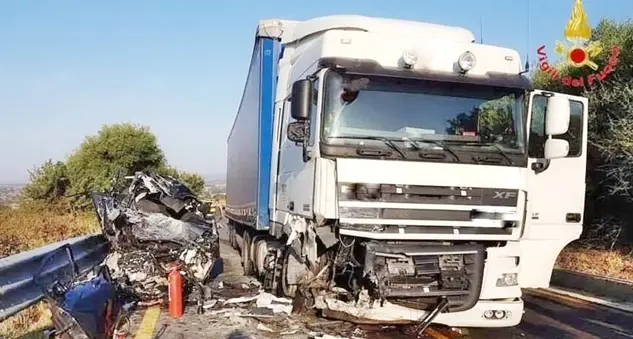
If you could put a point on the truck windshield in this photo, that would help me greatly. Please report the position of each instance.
(462, 115)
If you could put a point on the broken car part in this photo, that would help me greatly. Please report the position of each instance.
(82, 307)
(154, 223)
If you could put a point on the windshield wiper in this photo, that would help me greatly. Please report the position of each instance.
(387, 142)
(441, 144)
(500, 151)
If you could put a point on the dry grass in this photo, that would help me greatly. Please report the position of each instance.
(32, 226)
(27, 323)
(614, 264)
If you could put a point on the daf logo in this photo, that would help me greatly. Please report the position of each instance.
(504, 195)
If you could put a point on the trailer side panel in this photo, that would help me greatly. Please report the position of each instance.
(250, 141)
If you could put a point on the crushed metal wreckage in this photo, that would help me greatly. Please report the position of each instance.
(154, 223)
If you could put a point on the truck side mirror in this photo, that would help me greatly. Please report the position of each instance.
(557, 115)
(297, 131)
(556, 148)
(301, 100)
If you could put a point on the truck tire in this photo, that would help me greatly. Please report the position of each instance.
(284, 289)
(247, 263)
(232, 237)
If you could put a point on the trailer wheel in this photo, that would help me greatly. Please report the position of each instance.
(247, 263)
(232, 238)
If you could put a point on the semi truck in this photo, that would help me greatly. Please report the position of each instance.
(393, 171)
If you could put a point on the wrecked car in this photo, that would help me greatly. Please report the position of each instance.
(153, 223)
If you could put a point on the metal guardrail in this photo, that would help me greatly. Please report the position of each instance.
(602, 287)
(18, 290)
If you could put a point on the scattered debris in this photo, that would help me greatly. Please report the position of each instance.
(221, 312)
(358, 333)
(315, 335)
(156, 223)
(265, 300)
(276, 304)
(240, 300)
(236, 319)
(210, 304)
(263, 327)
(288, 332)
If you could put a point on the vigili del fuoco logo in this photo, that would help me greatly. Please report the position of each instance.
(579, 52)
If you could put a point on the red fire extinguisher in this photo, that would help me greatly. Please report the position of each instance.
(175, 292)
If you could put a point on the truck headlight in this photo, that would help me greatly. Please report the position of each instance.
(508, 279)
(410, 58)
(347, 191)
(467, 61)
(359, 191)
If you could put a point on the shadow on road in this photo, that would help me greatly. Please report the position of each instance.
(238, 335)
(558, 319)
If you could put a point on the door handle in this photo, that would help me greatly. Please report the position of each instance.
(573, 217)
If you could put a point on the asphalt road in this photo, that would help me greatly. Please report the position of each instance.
(547, 315)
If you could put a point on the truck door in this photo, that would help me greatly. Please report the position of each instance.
(295, 187)
(555, 191)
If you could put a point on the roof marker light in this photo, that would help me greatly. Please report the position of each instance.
(467, 61)
(346, 41)
(410, 58)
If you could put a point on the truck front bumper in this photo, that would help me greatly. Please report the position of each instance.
(363, 312)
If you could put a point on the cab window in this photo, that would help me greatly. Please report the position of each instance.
(536, 147)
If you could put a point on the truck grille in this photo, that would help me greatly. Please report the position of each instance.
(418, 275)
(445, 195)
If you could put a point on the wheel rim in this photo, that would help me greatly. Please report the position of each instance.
(260, 251)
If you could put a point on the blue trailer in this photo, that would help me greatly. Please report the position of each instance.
(250, 141)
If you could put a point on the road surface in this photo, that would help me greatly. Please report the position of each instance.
(547, 315)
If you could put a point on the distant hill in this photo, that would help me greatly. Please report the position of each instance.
(11, 185)
(214, 179)
(9, 193)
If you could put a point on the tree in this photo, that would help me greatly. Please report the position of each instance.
(610, 154)
(491, 119)
(194, 181)
(48, 182)
(119, 147)
(115, 149)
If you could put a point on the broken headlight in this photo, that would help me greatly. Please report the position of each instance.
(507, 280)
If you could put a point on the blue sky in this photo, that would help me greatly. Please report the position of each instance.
(68, 67)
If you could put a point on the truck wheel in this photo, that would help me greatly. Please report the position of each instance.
(286, 289)
(246, 258)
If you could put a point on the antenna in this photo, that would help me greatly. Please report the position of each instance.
(481, 28)
(527, 42)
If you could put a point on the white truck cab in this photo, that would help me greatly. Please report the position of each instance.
(415, 173)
